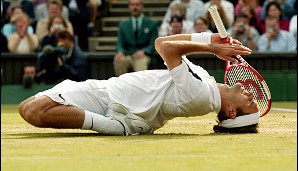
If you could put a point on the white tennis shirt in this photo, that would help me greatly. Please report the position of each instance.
(161, 95)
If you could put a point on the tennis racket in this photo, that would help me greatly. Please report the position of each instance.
(242, 72)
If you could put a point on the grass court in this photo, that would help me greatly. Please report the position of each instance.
(184, 144)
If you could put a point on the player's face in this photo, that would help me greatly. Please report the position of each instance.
(241, 98)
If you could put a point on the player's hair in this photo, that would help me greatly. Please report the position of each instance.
(221, 116)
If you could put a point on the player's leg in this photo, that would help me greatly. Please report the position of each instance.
(44, 112)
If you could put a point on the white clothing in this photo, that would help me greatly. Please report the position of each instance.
(293, 26)
(155, 95)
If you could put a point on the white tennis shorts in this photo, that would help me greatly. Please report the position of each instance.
(88, 95)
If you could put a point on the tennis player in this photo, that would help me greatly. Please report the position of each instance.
(142, 102)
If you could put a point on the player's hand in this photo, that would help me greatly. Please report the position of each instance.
(216, 39)
(225, 51)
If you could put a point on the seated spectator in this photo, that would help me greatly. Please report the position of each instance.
(288, 9)
(222, 15)
(135, 43)
(201, 25)
(56, 23)
(253, 21)
(28, 76)
(27, 6)
(177, 9)
(242, 31)
(273, 9)
(22, 41)
(10, 27)
(275, 39)
(245, 6)
(93, 5)
(54, 8)
(194, 9)
(176, 26)
(223, 6)
(66, 61)
(41, 11)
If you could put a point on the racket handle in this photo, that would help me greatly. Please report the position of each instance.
(218, 23)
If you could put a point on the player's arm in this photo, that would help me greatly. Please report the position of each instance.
(172, 48)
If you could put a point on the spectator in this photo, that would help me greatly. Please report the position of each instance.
(176, 26)
(66, 61)
(201, 25)
(10, 27)
(41, 11)
(222, 15)
(56, 23)
(54, 8)
(27, 6)
(223, 6)
(194, 9)
(28, 76)
(177, 9)
(242, 31)
(22, 41)
(245, 6)
(273, 9)
(79, 16)
(288, 9)
(275, 39)
(135, 42)
(293, 24)
(253, 20)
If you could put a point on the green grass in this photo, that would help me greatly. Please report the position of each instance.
(183, 144)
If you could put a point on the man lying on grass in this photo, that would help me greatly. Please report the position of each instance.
(142, 102)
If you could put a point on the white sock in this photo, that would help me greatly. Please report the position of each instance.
(102, 124)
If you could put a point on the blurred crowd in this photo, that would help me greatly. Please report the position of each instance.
(61, 28)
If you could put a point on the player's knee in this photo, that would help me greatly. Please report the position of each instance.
(32, 113)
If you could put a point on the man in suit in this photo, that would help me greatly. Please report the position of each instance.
(135, 42)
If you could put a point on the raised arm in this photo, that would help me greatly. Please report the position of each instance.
(172, 48)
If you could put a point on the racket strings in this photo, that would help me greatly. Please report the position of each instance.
(240, 74)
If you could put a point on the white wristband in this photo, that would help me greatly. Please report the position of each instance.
(204, 37)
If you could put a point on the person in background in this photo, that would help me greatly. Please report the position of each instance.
(54, 8)
(180, 10)
(273, 9)
(242, 31)
(22, 41)
(66, 61)
(201, 25)
(41, 11)
(275, 39)
(286, 6)
(194, 9)
(27, 5)
(222, 13)
(56, 23)
(245, 6)
(176, 26)
(223, 6)
(10, 27)
(135, 42)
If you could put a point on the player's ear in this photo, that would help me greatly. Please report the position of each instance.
(231, 112)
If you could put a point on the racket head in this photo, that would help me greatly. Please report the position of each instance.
(252, 81)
